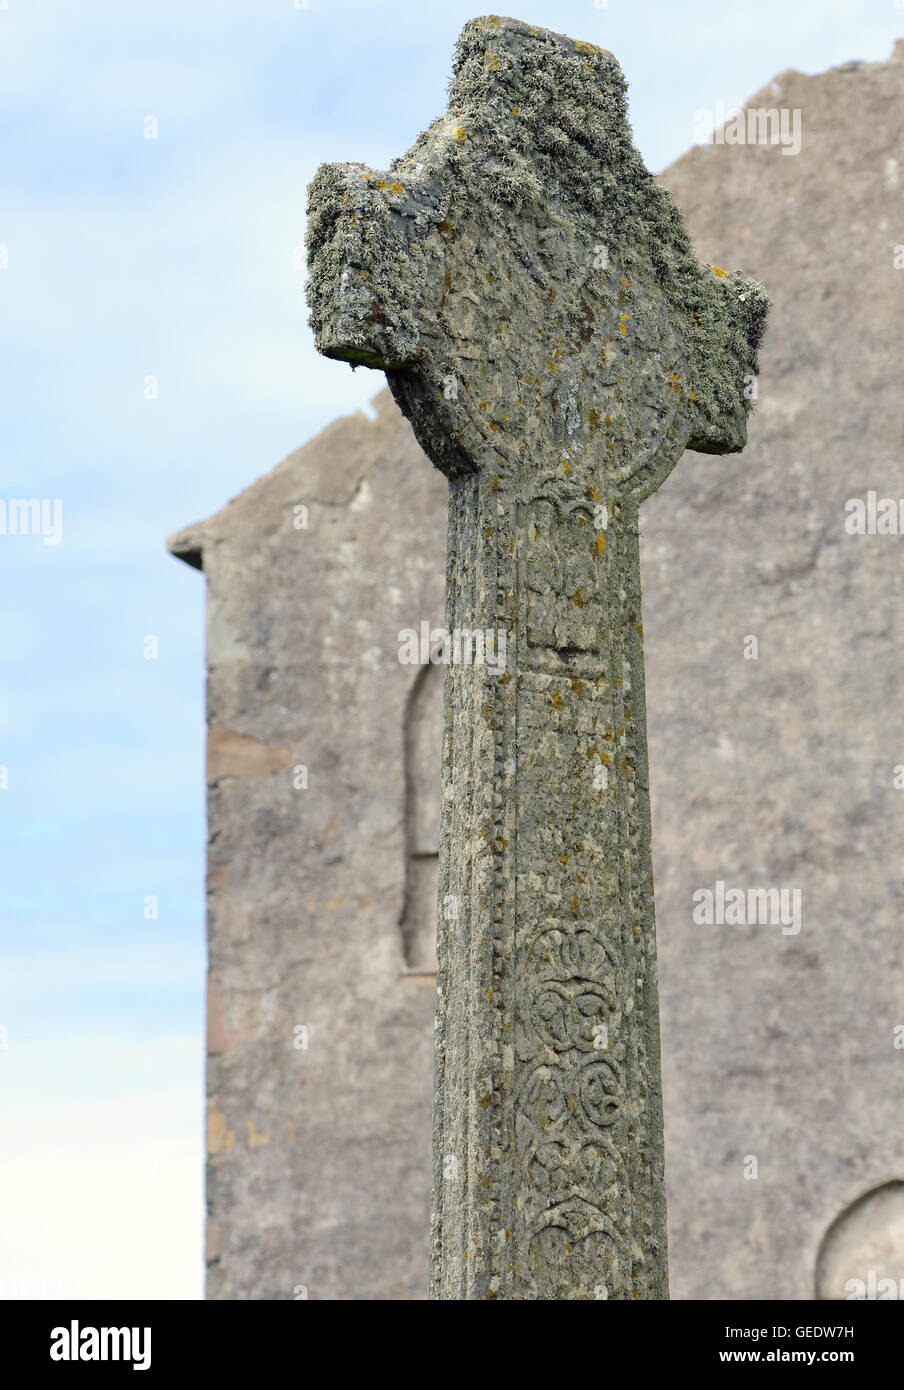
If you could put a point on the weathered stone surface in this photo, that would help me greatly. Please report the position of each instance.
(548, 330)
(780, 771)
(862, 1256)
(319, 1156)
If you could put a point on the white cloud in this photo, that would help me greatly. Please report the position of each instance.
(101, 1193)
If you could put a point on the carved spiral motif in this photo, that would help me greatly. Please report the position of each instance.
(568, 1101)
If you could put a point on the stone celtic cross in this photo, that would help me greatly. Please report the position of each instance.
(543, 322)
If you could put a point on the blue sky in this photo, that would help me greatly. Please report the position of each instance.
(175, 258)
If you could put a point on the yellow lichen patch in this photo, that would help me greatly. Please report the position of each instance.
(502, 843)
(489, 996)
(255, 1140)
(557, 701)
(578, 598)
(575, 904)
(589, 48)
(600, 543)
(515, 110)
(640, 629)
(382, 184)
(717, 270)
(490, 61)
(623, 321)
(220, 1138)
(459, 134)
(395, 187)
(566, 465)
(494, 485)
(578, 687)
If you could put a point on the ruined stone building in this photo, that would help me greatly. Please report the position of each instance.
(776, 728)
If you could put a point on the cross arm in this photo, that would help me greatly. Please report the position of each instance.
(375, 256)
